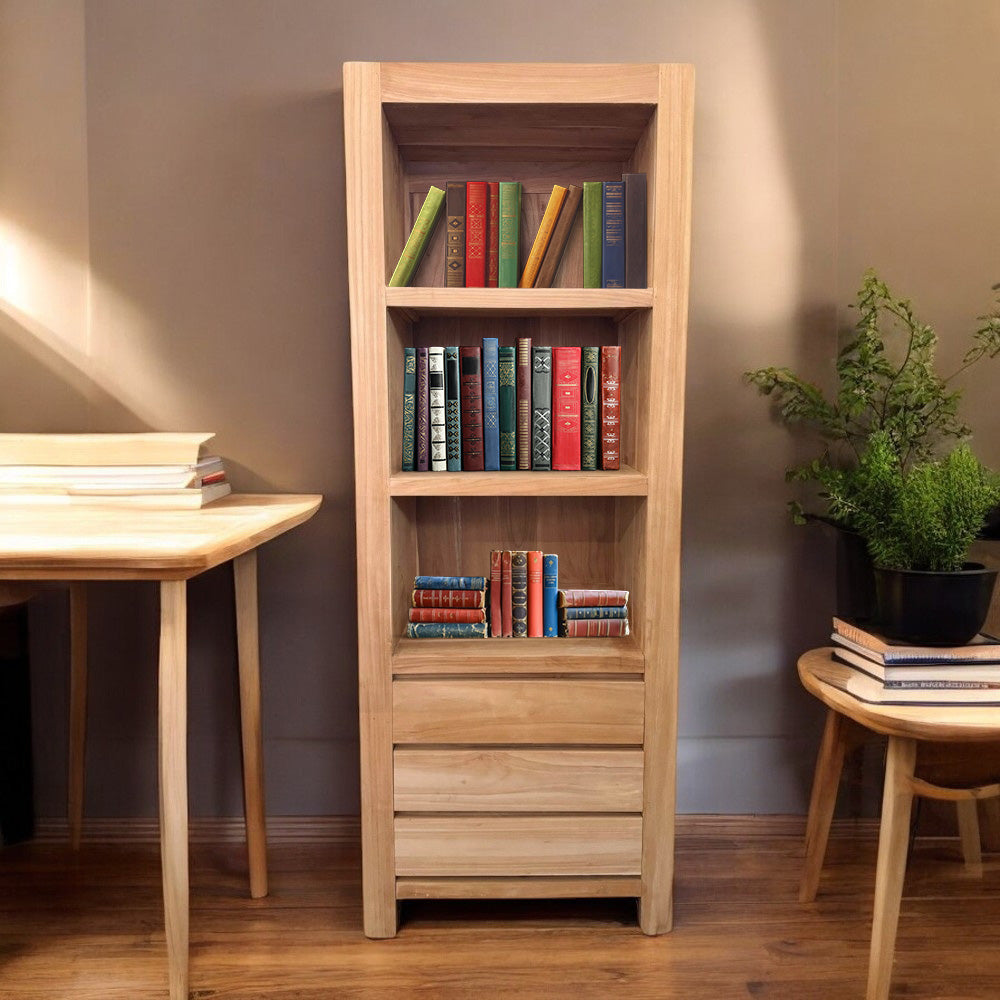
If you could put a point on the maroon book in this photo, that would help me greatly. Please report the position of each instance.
(470, 363)
(582, 628)
(496, 584)
(611, 362)
(566, 408)
(448, 599)
(506, 595)
(423, 412)
(493, 235)
(523, 391)
(475, 234)
(592, 598)
(447, 614)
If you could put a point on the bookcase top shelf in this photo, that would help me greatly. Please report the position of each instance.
(615, 302)
(624, 482)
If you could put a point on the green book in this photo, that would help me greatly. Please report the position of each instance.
(593, 225)
(420, 236)
(508, 411)
(510, 232)
(590, 405)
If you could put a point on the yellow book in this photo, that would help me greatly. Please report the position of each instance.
(545, 228)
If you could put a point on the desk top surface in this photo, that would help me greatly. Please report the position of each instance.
(56, 542)
(823, 677)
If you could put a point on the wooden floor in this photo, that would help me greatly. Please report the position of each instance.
(90, 925)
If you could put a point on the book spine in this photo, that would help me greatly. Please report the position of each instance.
(611, 361)
(593, 598)
(435, 394)
(506, 595)
(541, 407)
(423, 412)
(493, 235)
(420, 236)
(454, 250)
(453, 409)
(566, 408)
(523, 387)
(613, 236)
(496, 586)
(446, 630)
(409, 407)
(560, 237)
(472, 409)
(550, 591)
(448, 599)
(593, 628)
(590, 395)
(635, 230)
(507, 399)
(535, 602)
(447, 615)
(595, 612)
(593, 228)
(491, 404)
(475, 234)
(519, 593)
(542, 237)
(449, 583)
(510, 233)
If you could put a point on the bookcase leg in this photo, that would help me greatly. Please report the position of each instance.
(77, 708)
(656, 912)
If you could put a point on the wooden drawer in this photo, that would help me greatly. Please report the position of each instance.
(565, 710)
(518, 845)
(537, 780)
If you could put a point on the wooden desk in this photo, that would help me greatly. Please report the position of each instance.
(79, 543)
(945, 752)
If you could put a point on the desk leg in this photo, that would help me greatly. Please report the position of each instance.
(173, 780)
(77, 708)
(893, 840)
(248, 644)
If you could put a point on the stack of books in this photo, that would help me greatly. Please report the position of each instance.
(448, 607)
(523, 585)
(148, 469)
(888, 673)
(590, 613)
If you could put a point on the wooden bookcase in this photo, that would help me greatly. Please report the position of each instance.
(517, 767)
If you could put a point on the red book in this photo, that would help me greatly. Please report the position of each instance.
(522, 378)
(593, 598)
(448, 599)
(496, 585)
(470, 365)
(566, 408)
(475, 234)
(590, 627)
(535, 624)
(447, 614)
(506, 595)
(611, 363)
(493, 235)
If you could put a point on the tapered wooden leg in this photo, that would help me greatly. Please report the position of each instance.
(968, 832)
(893, 840)
(77, 708)
(173, 780)
(248, 645)
(991, 824)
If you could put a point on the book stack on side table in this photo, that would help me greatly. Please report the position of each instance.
(448, 607)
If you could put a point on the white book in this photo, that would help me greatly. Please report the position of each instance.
(435, 392)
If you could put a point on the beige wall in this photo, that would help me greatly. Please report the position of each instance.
(180, 195)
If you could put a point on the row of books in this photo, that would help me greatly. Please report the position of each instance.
(888, 673)
(482, 245)
(521, 599)
(498, 409)
(153, 469)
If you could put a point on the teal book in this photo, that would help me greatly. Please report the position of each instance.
(550, 591)
(409, 405)
(446, 630)
(569, 614)
(491, 404)
(508, 411)
(590, 406)
(449, 583)
(420, 236)
(593, 206)
(453, 409)
(510, 233)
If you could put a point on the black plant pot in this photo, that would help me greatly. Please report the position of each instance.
(934, 609)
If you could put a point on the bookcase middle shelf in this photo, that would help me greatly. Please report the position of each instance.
(626, 481)
(616, 303)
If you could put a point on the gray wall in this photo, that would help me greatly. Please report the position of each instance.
(172, 254)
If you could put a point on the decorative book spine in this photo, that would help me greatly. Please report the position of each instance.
(449, 583)
(510, 233)
(611, 359)
(560, 237)
(592, 598)
(472, 409)
(541, 407)
(435, 393)
(593, 228)
(523, 380)
(409, 406)
(446, 630)
(506, 595)
(420, 236)
(535, 603)
(491, 404)
(635, 230)
(613, 236)
(423, 412)
(519, 593)
(566, 408)
(596, 612)
(507, 395)
(582, 628)
(475, 234)
(496, 586)
(447, 614)
(493, 235)
(550, 590)
(453, 409)
(590, 411)
(542, 237)
(454, 251)
(448, 599)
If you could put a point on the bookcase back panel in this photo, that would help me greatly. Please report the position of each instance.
(402, 557)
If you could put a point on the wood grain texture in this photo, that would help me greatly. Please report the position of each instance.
(625, 482)
(77, 709)
(435, 301)
(521, 887)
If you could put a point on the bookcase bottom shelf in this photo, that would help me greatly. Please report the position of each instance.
(551, 887)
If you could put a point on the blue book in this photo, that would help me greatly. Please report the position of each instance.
(570, 613)
(453, 408)
(491, 404)
(550, 591)
(409, 406)
(446, 630)
(449, 583)
(613, 235)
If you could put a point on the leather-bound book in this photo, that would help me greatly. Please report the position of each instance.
(496, 586)
(611, 358)
(566, 408)
(491, 404)
(493, 234)
(423, 413)
(510, 233)
(522, 378)
(446, 630)
(409, 407)
(448, 598)
(613, 236)
(541, 408)
(507, 397)
(420, 236)
(593, 233)
(587, 598)
(535, 604)
(447, 614)
(635, 230)
(590, 406)
(583, 628)
(476, 194)
(550, 594)
(435, 393)
(506, 595)
(453, 409)
(454, 249)
(560, 237)
(472, 408)
(542, 237)
(519, 593)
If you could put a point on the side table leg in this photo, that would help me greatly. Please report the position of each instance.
(968, 831)
(77, 709)
(248, 647)
(173, 780)
(893, 839)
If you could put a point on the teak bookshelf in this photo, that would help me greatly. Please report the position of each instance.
(508, 768)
